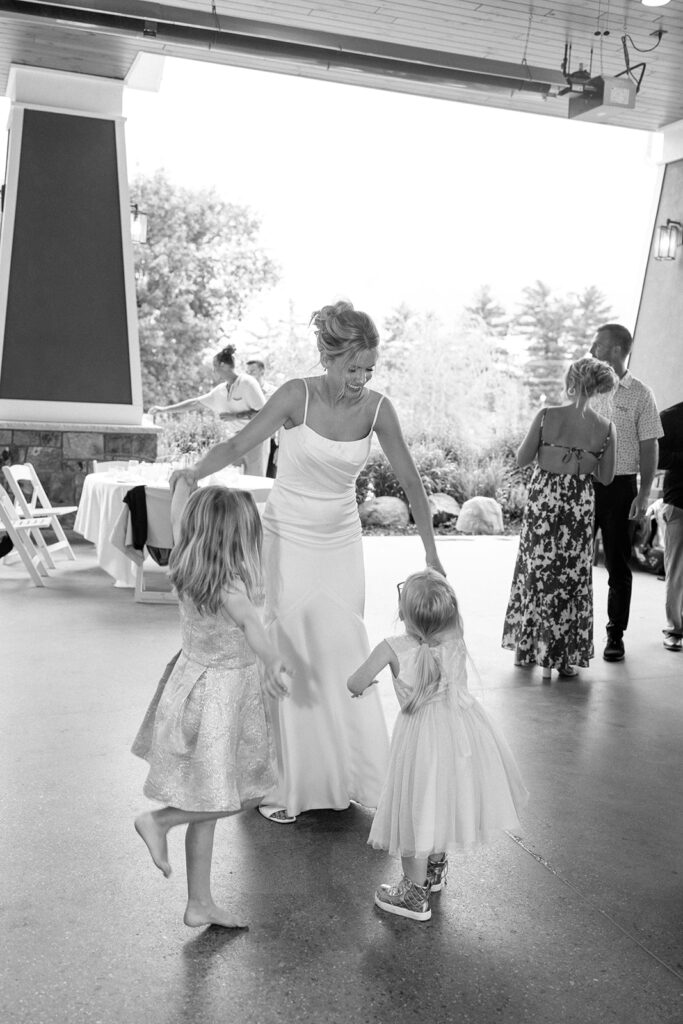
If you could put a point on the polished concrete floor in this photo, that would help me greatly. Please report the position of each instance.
(578, 919)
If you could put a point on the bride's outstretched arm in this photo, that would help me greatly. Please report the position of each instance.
(390, 435)
(274, 414)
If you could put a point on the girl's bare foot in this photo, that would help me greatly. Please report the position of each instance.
(198, 914)
(154, 838)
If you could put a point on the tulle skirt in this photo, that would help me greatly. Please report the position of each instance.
(452, 782)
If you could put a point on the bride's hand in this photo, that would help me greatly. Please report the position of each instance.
(435, 563)
(188, 476)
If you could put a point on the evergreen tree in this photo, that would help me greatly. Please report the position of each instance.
(452, 385)
(544, 320)
(590, 311)
(488, 312)
(400, 332)
(287, 346)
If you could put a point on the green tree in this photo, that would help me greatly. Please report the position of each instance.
(590, 311)
(544, 321)
(558, 329)
(198, 272)
(287, 346)
(455, 384)
(488, 312)
(401, 330)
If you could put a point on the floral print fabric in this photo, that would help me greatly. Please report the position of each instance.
(549, 618)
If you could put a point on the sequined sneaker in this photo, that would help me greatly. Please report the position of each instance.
(405, 899)
(436, 873)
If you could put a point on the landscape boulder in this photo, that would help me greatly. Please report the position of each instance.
(387, 512)
(480, 515)
(443, 506)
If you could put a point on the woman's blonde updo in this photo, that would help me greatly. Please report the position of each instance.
(342, 330)
(588, 376)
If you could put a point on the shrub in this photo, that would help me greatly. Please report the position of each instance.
(458, 471)
(190, 434)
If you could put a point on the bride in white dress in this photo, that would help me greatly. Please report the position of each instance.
(331, 749)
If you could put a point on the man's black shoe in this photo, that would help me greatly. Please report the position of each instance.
(614, 649)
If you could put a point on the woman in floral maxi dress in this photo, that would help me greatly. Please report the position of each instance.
(549, 620)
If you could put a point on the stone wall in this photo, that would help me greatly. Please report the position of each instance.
(63, 453)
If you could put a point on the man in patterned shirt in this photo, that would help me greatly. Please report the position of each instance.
(619, 505)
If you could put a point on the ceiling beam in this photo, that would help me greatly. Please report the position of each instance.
(156, 23)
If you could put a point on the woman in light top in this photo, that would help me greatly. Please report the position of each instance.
(330, 750)
(236, 400)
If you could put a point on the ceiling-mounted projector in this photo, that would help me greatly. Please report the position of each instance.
(601, 94)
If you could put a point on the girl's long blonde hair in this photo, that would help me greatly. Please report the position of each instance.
(428, 607)
(220, 542)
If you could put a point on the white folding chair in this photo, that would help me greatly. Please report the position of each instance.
(34, 503)
(107, 467)
(152, 585)
(24, 533)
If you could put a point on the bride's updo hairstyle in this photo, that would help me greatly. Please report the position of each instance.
(587, 377)
(342, 330)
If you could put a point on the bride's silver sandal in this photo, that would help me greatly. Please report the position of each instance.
(277, 814)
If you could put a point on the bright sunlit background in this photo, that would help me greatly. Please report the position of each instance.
(386, 198)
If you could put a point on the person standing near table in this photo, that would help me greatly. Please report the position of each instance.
(619, 505)
(257, 368)
(236, 400)
(671, 459)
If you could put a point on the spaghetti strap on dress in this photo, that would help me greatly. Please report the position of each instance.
(570, 452)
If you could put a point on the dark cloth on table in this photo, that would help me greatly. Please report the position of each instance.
(136, 500)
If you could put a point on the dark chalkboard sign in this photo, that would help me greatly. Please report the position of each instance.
(66, 332)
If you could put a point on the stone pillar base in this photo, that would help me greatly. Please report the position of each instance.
(63, 453)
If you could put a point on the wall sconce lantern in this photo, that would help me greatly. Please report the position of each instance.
(669, 237)
(138, 224)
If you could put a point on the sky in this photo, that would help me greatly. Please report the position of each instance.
(385, 198)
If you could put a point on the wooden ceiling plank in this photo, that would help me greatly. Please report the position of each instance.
(493, 29)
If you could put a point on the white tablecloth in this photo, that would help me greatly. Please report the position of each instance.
(102, 501)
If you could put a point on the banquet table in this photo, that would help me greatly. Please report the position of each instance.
(101, 504)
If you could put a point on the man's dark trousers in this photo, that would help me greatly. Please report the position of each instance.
(612, 506)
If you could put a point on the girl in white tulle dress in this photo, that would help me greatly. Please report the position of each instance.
(206, 734)
(452, 780)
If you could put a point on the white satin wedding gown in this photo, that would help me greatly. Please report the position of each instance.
(331, 749)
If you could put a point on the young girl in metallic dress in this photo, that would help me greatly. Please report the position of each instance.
(206, 734)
